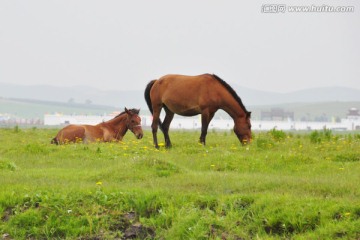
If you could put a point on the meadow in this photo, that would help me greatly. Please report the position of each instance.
(284, 185)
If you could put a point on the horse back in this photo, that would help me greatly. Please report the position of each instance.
(187, 95)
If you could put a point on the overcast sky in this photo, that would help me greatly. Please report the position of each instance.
(124, 44)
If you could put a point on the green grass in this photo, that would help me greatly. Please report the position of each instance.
(281, 186)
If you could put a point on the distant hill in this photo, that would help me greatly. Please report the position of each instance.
(116, 98)
(36, 100)
(28, 108)
(316, 111)
(312, 95)
(76, 94)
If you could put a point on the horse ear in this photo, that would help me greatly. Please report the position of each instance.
(127, 110)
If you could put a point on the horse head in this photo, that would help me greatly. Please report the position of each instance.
(134, 122)
(242, 128)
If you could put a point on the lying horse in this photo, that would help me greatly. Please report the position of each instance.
(112, 130)
(192, 95)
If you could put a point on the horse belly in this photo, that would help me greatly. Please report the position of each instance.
(93, 133)
(184, 108)
(188, 112)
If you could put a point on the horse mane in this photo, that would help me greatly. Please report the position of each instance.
(133, 110)
(231, 91)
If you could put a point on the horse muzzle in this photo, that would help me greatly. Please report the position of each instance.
(137, 131)
(245, 140)
(139, 135)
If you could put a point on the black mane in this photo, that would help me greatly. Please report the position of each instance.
(232, 92)
(133, 110)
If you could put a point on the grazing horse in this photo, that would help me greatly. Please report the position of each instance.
(192, 95)
(112, 130)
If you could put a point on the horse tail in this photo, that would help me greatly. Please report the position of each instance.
(54, 141)
(148, 101)
(147, 95)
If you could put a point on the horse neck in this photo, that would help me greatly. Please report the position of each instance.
(118, 125)
(233, 108)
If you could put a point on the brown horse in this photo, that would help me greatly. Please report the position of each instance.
(112, 130)
(192, 95)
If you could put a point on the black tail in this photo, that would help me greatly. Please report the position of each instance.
(147, 95)
(148, 100)
(54, 141)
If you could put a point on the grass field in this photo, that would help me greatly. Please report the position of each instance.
(281, 186)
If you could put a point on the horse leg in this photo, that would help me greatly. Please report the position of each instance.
(206, 117)
(154, 125)
(166, 125)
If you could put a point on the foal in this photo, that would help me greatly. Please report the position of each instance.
(112, 130)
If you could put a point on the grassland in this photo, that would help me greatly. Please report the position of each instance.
(281, 186)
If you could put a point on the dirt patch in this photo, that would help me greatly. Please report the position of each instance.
(132, 229)
(139, 231)
(7, 214)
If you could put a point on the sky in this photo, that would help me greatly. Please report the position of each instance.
(122, 45)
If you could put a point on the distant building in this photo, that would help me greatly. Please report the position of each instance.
(4, 117)
(352, 119)
(277, 114)
(61, 119)
(274, 119)
(353, 113)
